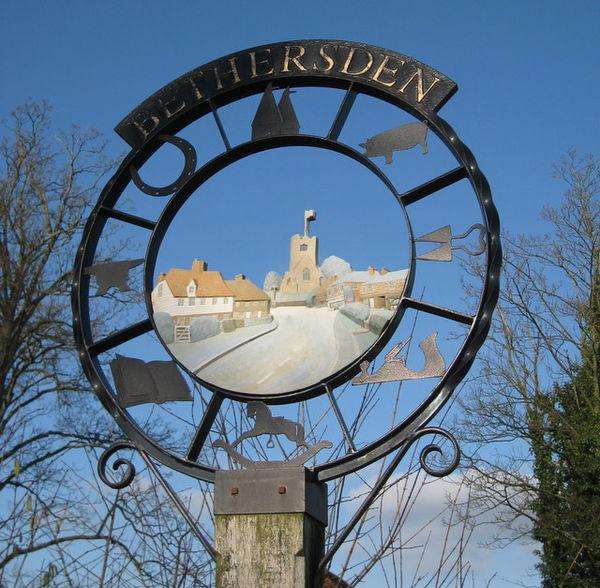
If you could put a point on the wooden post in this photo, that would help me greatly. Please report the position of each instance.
(269, 528)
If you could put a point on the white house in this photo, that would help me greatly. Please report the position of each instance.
(186, 294)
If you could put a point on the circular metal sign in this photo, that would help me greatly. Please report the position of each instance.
(310, 324)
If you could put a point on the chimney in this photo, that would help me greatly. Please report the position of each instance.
(372, 270)
(240, 277)
(199, 265)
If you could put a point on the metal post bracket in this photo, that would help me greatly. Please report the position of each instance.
(281, 490)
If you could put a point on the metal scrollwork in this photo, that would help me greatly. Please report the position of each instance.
(378, 487)
(129, 472)
(189, 167)
(276, 126)
(438, 471)
(129, 475)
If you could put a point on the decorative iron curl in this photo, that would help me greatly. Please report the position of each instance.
(128, 474)
(437, 471)
(379, 485)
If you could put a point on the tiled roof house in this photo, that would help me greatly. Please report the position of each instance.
(188, 293)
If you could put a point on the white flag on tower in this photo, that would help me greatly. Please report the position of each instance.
(309, 215)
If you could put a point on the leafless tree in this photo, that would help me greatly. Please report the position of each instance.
(45, 188)
(87, 534)
(541, 324)
(47, 415)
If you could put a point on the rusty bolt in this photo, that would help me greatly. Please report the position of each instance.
(282, 489)
(234, 491)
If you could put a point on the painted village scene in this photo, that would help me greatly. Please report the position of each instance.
(302, 324)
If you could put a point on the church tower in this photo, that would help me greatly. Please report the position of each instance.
(304, 274)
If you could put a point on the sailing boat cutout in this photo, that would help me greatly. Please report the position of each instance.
(272, 119)
(394, 368)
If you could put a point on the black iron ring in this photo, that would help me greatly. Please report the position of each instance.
(191, 159)
(216, 165)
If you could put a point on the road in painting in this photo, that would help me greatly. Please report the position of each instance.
(308, 345)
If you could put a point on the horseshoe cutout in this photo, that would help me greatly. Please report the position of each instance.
(189, 167)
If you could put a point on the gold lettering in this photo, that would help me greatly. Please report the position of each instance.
(419, 75)
(295, 59)
(346, 68)
(233, 71)
(326, 57)
(165, 105)
(197, 92)
(254, 63)
(142, 126)
(382, 69)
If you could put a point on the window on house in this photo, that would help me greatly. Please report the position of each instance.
(306, 275)
(180, 302)
(192, 301)
(160, 289)
(224, 300)
(303, 247)
(215, 300)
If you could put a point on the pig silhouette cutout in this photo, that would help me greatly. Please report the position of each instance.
(399, 138)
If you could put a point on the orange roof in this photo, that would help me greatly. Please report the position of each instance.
(244, 290)
(208, 283)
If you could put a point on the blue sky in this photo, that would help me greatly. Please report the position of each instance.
(528, 91)
(527, 71)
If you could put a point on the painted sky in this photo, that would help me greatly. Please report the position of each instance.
(528, 91)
